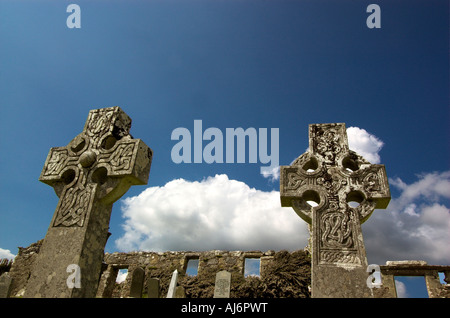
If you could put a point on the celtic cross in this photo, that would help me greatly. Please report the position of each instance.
(333, 176)
(89, 174)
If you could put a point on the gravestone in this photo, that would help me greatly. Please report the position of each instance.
(152, 288)
(89, 174)
(179, 292)
(222, 286)
(332, 175)
(137, 283)
(171, 293)
(5, 285)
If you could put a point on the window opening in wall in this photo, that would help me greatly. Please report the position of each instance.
(252, 267)
(411, 287)
(192, 267)
(122, 275)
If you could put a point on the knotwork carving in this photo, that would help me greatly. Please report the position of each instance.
(294, 181)
(75, 170)
(74, 204)
(336, 230)
(122, 156)
(339, 257)
(331, 183)
(335, 175)
(372, 182)
(328, 142)
(56, 162)
(99, 123)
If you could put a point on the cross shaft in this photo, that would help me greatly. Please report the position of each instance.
(89, 174)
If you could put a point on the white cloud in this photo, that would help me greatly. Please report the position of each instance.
(121, 275)
(431, 186)
(401, 289)
(216, 213)
(365, 144)
(415, 226)
(6, 254)
(273, 174)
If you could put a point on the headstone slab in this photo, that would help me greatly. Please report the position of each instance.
(332, 175)
(89, 174)
(137, 283)
(153, 288)
(179, 292)
(222, 286)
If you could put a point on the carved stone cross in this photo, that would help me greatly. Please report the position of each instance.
(89, 174)
(332, 176)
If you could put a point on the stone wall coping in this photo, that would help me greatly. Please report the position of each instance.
(411, 268)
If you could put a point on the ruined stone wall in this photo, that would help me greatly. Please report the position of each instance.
(5, 265)
(414, 268)
(282, 274)
(21, 269)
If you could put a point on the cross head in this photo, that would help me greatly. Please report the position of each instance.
(101, 163)
(334, 190)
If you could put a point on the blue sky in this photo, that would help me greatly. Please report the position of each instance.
(230, 63)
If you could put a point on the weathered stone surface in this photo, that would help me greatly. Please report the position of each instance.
(415, 268)
(5, 285)
(137, 282)
(153, 288)
(22, 266)
(179, 292)
(283, 274)
(222, 287)
(107, 282)
(407, 262)
(332, 175)
(94, 170)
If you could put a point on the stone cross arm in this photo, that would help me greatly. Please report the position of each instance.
(330, 172)
(102, 161)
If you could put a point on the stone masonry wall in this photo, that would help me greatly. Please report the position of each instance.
(282, 274)
(21, 268)
(5, 265)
